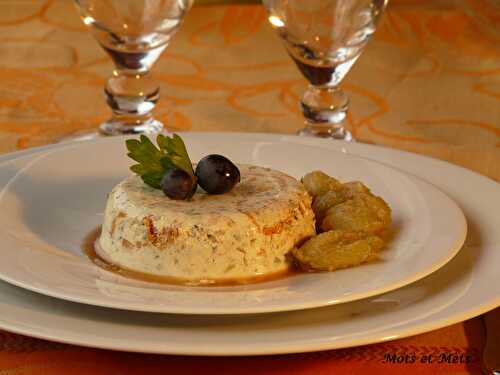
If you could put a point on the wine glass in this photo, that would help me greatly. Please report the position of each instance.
(134, 33)
(325, 38)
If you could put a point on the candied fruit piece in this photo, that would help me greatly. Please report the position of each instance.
(317, 183)
(354, 187)
(337, 249)
(365, 212)
(322, 203)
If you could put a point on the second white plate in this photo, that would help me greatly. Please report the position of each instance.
(51, 201)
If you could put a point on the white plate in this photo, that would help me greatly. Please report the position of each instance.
(56, 198)
(467, 286)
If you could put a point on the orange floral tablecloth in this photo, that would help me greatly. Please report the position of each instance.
(429, 83)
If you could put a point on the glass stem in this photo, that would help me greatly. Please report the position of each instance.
(325, 109)
(132, 93)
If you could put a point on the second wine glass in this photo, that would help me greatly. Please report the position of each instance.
(134, 33)
(325, 38)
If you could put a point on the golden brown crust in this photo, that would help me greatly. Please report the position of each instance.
(150, 229)
(162, 239)
(276, 228)
(120, 215)
(127, 244)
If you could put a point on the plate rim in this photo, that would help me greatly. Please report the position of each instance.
(290, 348)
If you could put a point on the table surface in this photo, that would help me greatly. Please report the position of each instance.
(429, 82)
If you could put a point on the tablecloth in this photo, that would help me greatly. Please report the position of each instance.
(429, 82)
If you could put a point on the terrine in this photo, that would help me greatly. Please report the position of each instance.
(244, 233)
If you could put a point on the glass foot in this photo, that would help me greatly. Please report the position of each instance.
(327, 132)
(114, 127)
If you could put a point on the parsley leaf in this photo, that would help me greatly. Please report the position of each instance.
(176, 151)
(154, 162)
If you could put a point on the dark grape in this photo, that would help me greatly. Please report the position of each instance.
(178, 184)
(217, 174)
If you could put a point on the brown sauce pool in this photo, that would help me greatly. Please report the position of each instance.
(88, 248)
